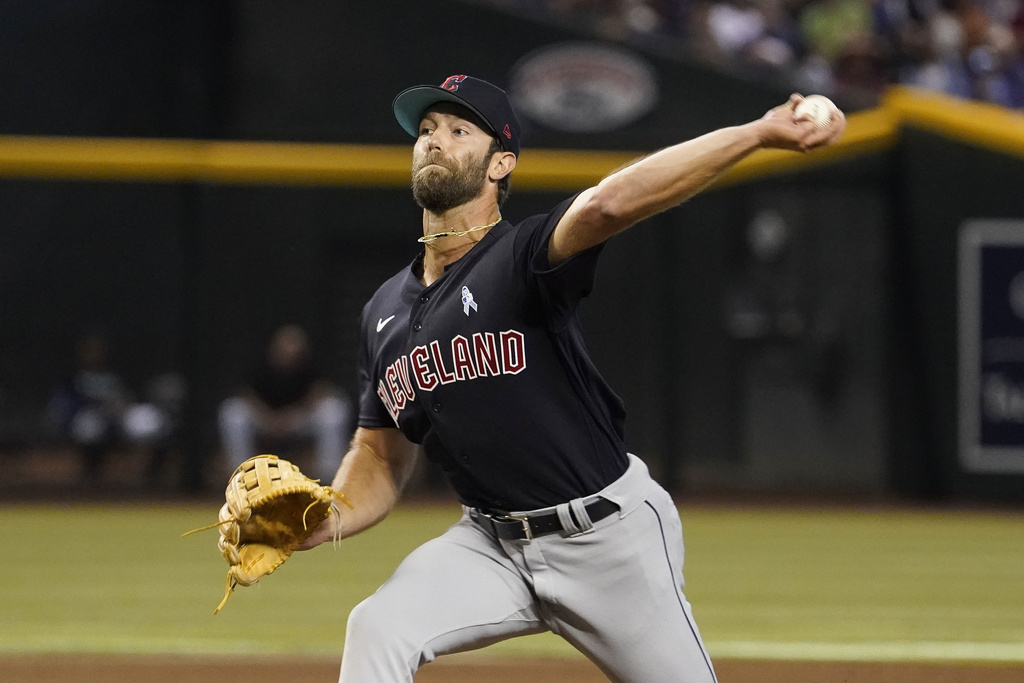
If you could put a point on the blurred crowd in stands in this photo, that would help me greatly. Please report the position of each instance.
(845, 48)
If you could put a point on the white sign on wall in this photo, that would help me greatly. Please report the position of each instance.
(991, 346)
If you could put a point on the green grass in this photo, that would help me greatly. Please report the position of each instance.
(876, 585)
(800, 584)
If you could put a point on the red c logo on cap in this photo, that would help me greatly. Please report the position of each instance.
(451, 84)
(507, 131)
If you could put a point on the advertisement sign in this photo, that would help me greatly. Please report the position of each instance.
(991, 346)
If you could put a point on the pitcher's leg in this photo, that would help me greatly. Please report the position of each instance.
(620, 600)
(457, 592)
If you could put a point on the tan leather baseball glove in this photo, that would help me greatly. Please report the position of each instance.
(271, 508)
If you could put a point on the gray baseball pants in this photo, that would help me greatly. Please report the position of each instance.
(614, 591)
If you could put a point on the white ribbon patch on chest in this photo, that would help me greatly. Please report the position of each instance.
(467, 300)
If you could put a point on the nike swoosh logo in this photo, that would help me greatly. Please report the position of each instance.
(381, 322)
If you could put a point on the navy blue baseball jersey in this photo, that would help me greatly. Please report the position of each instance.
(488, 370)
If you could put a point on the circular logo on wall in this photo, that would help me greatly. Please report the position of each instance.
(583, 87)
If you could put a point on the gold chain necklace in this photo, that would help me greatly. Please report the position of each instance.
(459, 233)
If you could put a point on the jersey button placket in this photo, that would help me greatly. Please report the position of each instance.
(418, 313)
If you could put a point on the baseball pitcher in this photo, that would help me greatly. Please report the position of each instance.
(475, 353)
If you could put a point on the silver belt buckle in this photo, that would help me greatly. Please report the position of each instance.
(525, 521)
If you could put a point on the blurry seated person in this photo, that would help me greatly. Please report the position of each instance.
(285, 402)
(95, 411)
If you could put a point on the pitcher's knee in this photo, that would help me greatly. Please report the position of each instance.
(371, 625)
(378, 645)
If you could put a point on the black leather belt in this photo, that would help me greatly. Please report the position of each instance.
(516, 528)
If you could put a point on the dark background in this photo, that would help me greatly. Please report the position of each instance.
(828, 365)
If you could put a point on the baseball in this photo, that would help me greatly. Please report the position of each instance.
(817, 108)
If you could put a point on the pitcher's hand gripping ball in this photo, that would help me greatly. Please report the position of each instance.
(271, 508)
(818, 109)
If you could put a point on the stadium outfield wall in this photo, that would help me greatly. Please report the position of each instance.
(191, 248)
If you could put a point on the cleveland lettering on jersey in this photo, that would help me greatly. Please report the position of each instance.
(485, 354)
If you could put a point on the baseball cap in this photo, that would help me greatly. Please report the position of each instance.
(487, 101)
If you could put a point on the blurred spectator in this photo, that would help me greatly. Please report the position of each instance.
(286, 401)
(828, 25)
(1015, 60)
(860, 69)
(778, 46)
(735, 25)
(986, 50)
(94, 410)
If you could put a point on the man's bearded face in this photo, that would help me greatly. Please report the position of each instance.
(455, 183)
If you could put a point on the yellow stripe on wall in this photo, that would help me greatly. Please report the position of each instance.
(148, 160)
(347, 165)
(975, 123)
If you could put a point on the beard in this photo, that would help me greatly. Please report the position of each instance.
(439, 189)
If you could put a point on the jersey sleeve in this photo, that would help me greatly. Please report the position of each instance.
(561, 287)
(372, 413)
